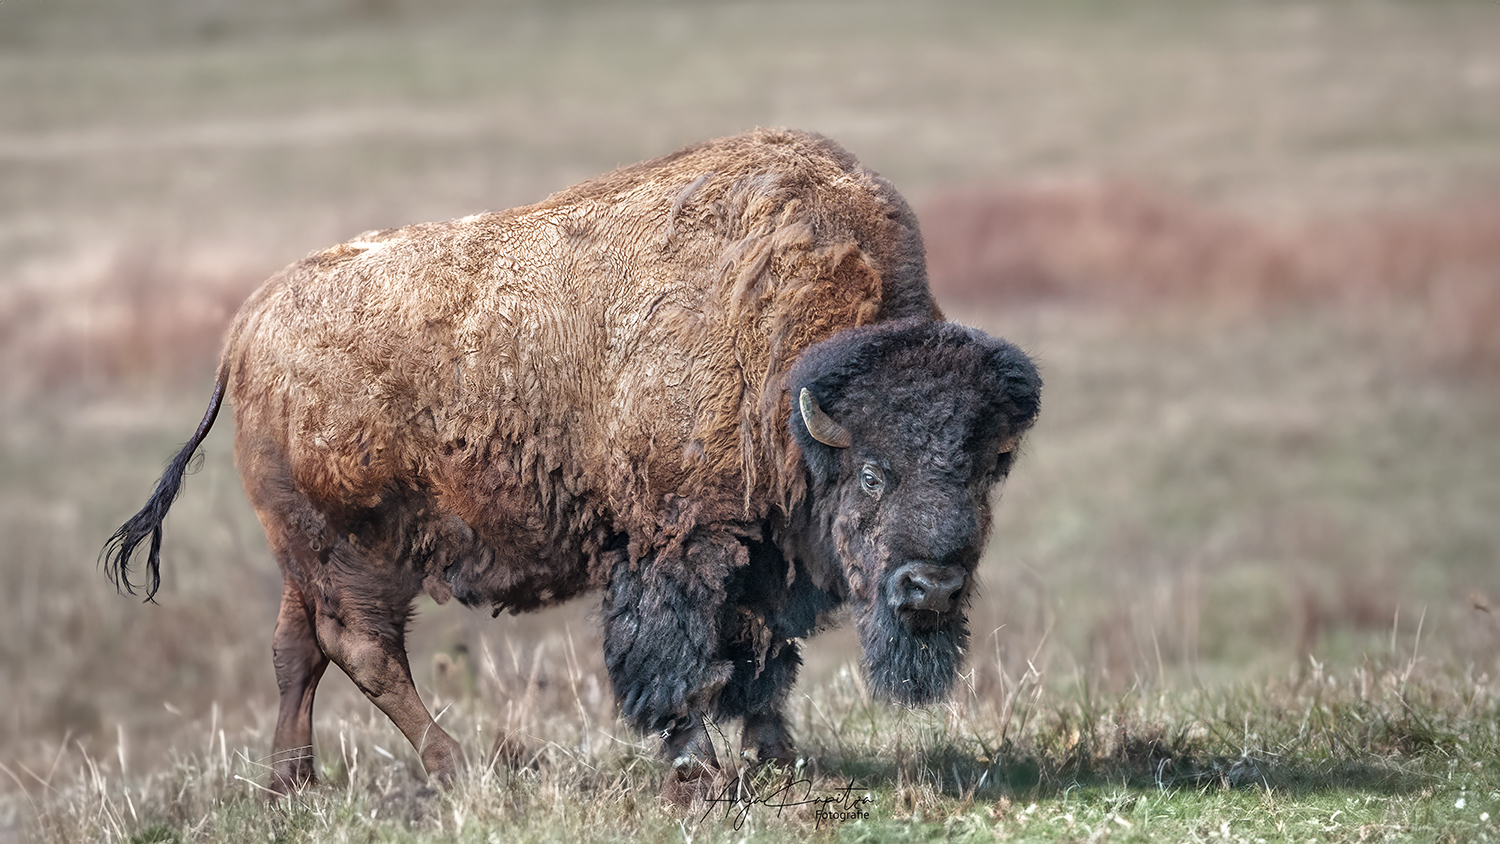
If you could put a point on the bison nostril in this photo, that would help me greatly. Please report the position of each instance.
(911, 588)
(952, 596)
(927, 587)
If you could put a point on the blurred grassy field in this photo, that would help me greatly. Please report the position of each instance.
(1255, 248)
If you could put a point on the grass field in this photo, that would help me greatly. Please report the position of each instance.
(1244, 582)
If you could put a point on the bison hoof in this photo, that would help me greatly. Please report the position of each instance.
(692, 781)
(291, 775)
(282, 785)
(788, 764)
(512, 751)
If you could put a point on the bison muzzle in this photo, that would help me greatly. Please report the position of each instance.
(713, 387)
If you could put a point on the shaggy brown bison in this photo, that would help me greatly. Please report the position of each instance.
(713, 385)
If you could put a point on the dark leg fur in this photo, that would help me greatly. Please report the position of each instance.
(761, 629)
(661, 633)
(757, 691)
(712, 633)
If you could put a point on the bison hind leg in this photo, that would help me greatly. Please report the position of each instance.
(300, 663)
(367, 641)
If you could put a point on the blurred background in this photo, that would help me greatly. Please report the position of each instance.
(1254, 247)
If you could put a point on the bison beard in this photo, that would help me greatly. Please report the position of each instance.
(906, 665)
(713, 386)
(911, 666)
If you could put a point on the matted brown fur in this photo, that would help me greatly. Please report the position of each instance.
(606, 362)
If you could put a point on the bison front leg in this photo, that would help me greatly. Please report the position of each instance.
(764, 671)
(299, 666)
(661, 644)
(368, 642)
(766, 734)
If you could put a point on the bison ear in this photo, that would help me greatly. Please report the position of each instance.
(1011, 442)
(819, 424)
(1019, 386)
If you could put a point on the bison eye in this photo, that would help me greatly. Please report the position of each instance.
(872, 479)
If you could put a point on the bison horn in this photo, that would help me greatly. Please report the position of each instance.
(819, 424)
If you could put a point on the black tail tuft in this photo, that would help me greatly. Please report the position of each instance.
(121, 546)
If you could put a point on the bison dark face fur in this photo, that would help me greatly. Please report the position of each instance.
(905, 430)
(713, 386)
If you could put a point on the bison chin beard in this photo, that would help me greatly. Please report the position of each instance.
(907, 665)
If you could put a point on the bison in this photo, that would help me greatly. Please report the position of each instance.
(713, 386)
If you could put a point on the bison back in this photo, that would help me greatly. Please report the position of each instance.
(606, 362)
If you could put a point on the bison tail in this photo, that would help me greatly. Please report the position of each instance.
(120, 547)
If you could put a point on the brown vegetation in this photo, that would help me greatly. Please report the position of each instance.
(1127, 244)
(151, 316)
(147, 315)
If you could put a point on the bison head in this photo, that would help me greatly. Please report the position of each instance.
(905, 427)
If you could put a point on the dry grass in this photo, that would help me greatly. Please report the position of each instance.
(1215, 510)
(1387, 744)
